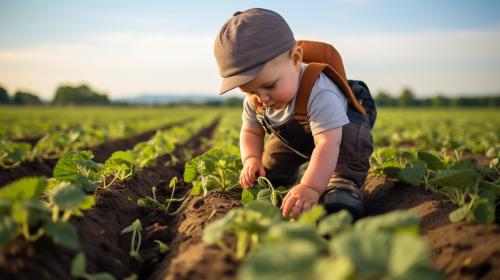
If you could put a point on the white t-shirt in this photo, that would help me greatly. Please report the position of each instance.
(327, 107)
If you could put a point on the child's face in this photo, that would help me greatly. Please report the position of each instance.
(278, 82)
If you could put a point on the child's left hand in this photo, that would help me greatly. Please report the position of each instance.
(299, 199)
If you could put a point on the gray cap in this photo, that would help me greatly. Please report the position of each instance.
(246, 42)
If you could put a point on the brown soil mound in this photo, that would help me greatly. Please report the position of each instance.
(190, 258)
(99, 231)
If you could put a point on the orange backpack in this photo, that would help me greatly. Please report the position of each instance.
(321, 57)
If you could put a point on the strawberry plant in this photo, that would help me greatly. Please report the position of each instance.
(78, 168)
(119, 166)
(13, 153)
(263, 190)
(217, 169)
(24, 214)
(464, 181)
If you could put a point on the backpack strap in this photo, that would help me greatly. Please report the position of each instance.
(309, 77)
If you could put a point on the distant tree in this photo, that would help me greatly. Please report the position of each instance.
(407, 98)
(384, 99)
(440, 101)
(233, 102)
(25, 98)
(80, 95)
(4, 97)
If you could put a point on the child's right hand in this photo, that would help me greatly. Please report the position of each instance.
(251, 166)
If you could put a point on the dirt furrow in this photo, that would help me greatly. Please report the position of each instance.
(45, 167)
(99, 230)
(461, 250)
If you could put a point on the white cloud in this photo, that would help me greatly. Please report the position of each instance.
(125, 64)
(120, 63)
(455, 62)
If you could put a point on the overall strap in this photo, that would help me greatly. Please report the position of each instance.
(309, 77)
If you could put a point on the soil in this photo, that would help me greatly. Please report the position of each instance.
(190, 257)
(45, 167)
(99, 231)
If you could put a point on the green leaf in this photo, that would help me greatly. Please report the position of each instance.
(23, 189)
(78, 265)
(127, 156)
(392, 222)
(31, 212)
(334, 268)
(264, 194)
(13, 152)
(67, 196)
(294, 261)
(369, 252)
(433, 162)
(197, 188)
(265, 208)
(391, 171)
(85, 183)
(248, 195)
(161, 246)
(484, 212)
(63, 233)
(458, 178)
(67, 165)
(135, 226)
(312, 216)
(191, 169)
(289, 232)
(466, 163)
(488, 195)
(9, 230)
(380, 255)
(459, 214)
(413, 175)
(335, 223)
(173, 182)
(407, 253)
(490, 186)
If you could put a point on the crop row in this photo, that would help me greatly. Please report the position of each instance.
(34, 207)
(86, 135)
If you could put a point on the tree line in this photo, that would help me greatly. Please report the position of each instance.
(408, 99)
(64, 95)
(84, 95)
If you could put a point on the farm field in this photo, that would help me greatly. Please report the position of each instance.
(152, 193)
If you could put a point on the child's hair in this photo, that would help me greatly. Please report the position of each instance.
(246, 42)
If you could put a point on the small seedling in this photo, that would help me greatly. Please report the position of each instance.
(135, 243)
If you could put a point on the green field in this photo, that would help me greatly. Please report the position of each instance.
(171, 186)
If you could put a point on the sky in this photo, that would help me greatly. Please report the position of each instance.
(127, 48)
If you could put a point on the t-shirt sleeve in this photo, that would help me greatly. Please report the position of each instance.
(327, 111)
(249, 114)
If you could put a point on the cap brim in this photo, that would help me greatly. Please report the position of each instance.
(235, 81)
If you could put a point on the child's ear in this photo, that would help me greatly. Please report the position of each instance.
(297, 56)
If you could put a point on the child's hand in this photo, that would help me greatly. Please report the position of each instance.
(250, 167)
(299, 199)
